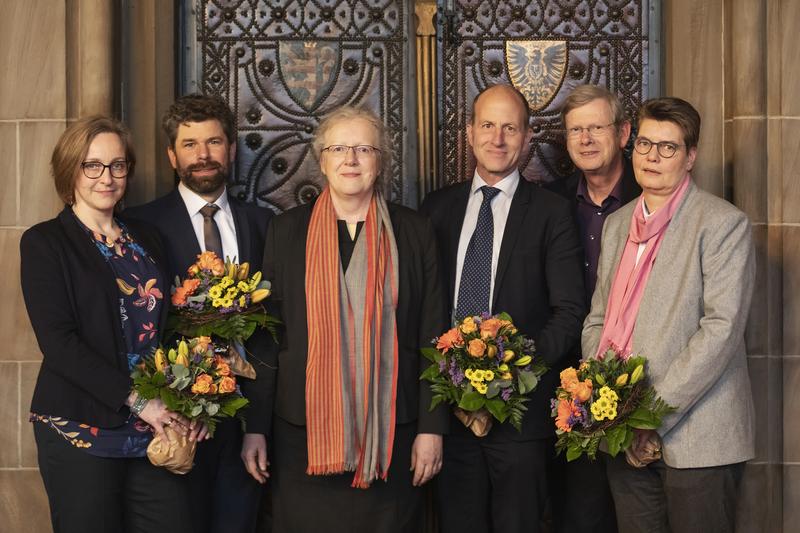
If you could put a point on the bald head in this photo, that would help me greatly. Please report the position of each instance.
(504, 91)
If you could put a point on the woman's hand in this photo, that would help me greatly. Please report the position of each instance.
(156, 414)
(426, 457)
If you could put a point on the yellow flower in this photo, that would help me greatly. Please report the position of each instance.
(508, 355)
(469, 374)
(226, 282)
(217, 302)
(607, 392)
(524, 360)
(231, 292)
(506, 375)
(243, 286)
(598, 412)
(227, 302)
(503, 368)
(215, 292)
(259, 295)
(242, 301)
(488, 375)
(478, 375)
(480, 387)
(468, 325)
(637, 374)
(622, 380)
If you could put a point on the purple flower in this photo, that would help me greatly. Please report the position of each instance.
(505, 394)
(500, 348)
(456, 375)
(442, 366)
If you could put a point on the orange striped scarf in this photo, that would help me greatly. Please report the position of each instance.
(351, 372)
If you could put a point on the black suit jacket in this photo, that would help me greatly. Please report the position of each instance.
(539, 280)
(420, 316)
(73, 303)
(169, 215)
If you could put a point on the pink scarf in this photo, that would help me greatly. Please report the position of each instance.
(631, 278)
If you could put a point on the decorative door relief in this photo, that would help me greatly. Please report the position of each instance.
(283, 65)
(545, 49)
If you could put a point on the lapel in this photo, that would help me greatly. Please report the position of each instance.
(459, 209)
(181, 233)
(242, 230)
(516, 216)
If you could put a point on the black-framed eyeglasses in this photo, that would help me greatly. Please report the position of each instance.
(665, 149)
(95, 169)
(360, 150)
(594, 130)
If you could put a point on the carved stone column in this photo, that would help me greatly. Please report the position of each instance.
(427, 110)
(90, 57)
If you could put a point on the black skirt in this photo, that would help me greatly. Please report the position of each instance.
(304, 504)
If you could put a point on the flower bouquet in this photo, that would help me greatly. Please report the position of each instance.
(484, 367)
(603, 401)
(191, 379)
(221, 299)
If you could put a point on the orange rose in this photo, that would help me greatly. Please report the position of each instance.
(582, 391)
(468, 325)
(223, 369)
(202, 345)
(227, 385)
(476, 348)
(449, 339)
(569, 377)
(203, 384)
(490, 327)
(210, 261)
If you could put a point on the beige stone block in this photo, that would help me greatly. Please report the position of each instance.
(23, 502)
(749, 172)
(758, 320)
(748, 70)
(38, 198)
(767, 388)
(32, 59)
(760, 505)
(790, 58)
(775, 171)
(9, 395)
(19, 344)
(8, 173)
(791, 406)
(28, 374)
(791, 497)
(790, 169)
(791, 297)
(694, 72)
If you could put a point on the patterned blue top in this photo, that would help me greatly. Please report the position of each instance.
(141, 296)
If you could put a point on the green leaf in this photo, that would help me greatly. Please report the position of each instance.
(471, 401)
(573, 452)
(493, 389)
(505, 316)
(432, 354)
(615, 436)
(498, 409)
(430, 373)
(196, 410)
(212, 408)
(527, 382)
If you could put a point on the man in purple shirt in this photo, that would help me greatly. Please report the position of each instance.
(596, 131)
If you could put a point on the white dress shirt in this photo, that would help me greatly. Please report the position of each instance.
(224, 219)
(501, 204)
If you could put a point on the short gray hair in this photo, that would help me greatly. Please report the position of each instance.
(583, 94)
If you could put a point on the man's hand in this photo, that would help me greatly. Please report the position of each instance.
(645, 448)
(426, 457)
(254, 455)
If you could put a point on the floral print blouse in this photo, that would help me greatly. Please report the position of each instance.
(141, 292)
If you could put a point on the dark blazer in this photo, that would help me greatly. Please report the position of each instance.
(169, 215)
(420, 317)
(539, 280)
(73, 303)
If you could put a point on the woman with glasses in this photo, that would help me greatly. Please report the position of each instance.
(350, 433)
(674, 285)
(94, 286)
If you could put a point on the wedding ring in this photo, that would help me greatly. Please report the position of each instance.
(169, 422)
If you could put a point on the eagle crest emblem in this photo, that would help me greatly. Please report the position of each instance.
(537, 69)
(308, 70)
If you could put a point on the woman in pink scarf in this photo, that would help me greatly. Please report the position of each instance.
(674, 285)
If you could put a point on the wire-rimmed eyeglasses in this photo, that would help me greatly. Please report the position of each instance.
(594, 130)
(360, 150)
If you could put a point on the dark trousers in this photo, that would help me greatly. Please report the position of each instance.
(492, 483)
(225, 496)
(580, 496)
(662, 499)
(310, 504)
(90, 494)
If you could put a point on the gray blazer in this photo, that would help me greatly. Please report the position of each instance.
(690, 327)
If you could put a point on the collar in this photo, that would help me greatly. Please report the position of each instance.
(508, 185)
(582, 193)
(194, 203)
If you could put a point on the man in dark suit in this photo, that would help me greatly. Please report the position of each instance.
(597, 131)
(506, 245)
(200, 215)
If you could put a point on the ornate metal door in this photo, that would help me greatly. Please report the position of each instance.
(544, 48)
(284, 64)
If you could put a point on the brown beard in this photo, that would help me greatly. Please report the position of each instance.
(203, 185)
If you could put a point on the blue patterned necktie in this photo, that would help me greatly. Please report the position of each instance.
(476, 274)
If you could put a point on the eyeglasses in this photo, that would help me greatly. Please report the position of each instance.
(360, 150)
(95, 169)
(665, 149)
(594, 131)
